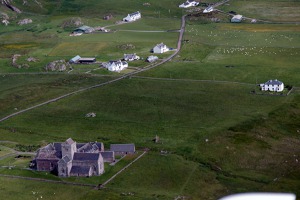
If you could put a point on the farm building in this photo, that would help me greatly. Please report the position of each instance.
(236, 18)
(78, 59)
(75, 59)
(272, 85)
(132, 17)
(71, 159)
(87, 60)
(208, 9)
(160, 48)
(131, 57)
(188, 3)
(108, 156)
(116, 66)
(151, 59)
(122, 149)
(84, 29)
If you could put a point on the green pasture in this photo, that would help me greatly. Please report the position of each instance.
(136, 110)
(275, 11)
(242, 53)
(21, 91)
(27, 189)
(4, 150)
(219, 137)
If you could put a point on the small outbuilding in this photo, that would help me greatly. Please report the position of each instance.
(131, 57)
(108, 156)
(75, 59)
(122, 149)
(78, 59)
(84, 29)
(272, 85)
(236, 18)
(152, 58)
(87, 60)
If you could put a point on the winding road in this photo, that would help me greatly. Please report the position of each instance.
(181, 32)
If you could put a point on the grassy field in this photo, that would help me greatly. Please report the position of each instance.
(21, 91)
(220, 138)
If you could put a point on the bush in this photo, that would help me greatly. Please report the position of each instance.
(27, 148)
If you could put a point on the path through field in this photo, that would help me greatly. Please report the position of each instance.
(182, 29)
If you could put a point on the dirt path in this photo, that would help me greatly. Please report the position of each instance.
(105, 83)
(191, 80)
(114, 176)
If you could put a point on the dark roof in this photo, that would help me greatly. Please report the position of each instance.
(87, 59)
(130, 56)
(83, 170)
(273, 82)
(122, 147)
(86, 156)
(65, 159)
(107, 154)
(117, 62)
(57, 146)
(135, 13)
(89, 147)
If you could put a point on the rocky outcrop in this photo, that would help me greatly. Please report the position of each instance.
(14, 63)
(4, 18)
(58, 65)
(25, 21)
(8, 3)
(73, 22)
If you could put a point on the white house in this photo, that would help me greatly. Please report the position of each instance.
(116, 66)
(132, 17)
(208, 9)
(189, 3)
(131, 57)
(272, 85)
(160, 48)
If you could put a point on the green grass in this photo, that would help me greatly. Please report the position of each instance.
(21, 91)
(220, 138)
(154, 109)
(278, 11)
(4, 150)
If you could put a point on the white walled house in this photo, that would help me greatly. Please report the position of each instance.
(272, 85)
(131, 57)
(208, 9)
(132, 17)
(160, 48)
(116, 66)
(189, 3)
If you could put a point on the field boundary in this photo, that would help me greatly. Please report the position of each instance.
(182, 29)
(47, 180)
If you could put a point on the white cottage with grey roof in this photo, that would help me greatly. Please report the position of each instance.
(132, 17)
(189, 3)
(116, 66)
(131, 57)
(160, 48)
(272, 85)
